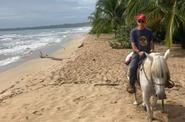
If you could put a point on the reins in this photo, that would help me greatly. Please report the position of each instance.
(142, 68)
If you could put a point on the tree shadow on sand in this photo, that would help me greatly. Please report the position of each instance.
(173, 113)
(176, 113)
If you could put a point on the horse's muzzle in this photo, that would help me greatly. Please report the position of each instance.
(161, 96)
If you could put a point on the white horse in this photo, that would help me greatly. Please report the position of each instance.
(153, 74)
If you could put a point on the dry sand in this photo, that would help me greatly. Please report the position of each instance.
(75, 89)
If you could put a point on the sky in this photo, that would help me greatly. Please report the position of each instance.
(29, 13)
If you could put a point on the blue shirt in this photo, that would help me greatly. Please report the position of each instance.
(142, 39)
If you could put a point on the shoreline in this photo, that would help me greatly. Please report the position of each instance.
(14, 73)
(49, 50)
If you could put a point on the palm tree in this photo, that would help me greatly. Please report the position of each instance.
(133, 8)
(168, 13)
(99, 24)
(108, 15)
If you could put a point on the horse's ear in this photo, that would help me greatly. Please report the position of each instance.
(149, 56)
(167, 53)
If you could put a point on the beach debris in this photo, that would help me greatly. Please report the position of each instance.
(42, 56)
(50, 57)
(106, 84)
(36, 113)
(81, 45)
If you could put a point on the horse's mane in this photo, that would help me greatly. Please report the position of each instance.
(159, 68)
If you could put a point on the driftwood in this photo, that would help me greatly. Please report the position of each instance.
(50, 57)
(81, 45)
(106, 84)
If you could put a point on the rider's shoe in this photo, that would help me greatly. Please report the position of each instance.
(131, 89)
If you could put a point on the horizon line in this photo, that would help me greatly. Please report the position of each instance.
(67, 25)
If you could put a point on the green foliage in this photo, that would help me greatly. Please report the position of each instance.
(108, 16)
(122, 38)
(99, 24)
(159, 34)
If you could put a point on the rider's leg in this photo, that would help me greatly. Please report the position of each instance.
(133, 72)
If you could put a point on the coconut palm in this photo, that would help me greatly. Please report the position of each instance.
(108, 15)
(99, 24)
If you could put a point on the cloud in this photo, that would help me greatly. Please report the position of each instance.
(18, 13)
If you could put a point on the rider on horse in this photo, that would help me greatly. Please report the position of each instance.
(141, 41)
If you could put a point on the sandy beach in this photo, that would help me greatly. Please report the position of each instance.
(84, 82)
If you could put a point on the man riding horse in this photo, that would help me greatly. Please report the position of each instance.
(141, 41)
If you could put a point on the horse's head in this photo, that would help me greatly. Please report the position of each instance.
(159, 72)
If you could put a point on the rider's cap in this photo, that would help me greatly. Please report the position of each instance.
(141, 17)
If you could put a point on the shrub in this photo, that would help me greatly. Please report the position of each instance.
(122, 38)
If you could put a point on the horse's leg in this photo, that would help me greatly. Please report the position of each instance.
(143, 103)
(163, 109)
(153, 103)
(146, 100)
(135, 97)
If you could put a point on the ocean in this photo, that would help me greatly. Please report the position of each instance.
(20, 45)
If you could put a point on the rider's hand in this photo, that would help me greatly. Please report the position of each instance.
(141, 53)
